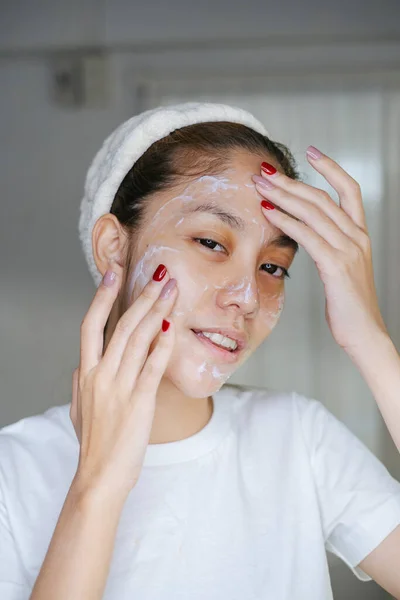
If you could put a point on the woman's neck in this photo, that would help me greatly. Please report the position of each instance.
(178, 416)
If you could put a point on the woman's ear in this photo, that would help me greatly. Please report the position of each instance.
(109, 241)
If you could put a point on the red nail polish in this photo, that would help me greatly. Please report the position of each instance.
(159, 272)
(267, 168)
(165, 325)
(267, 205)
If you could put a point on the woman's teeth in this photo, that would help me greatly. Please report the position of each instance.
(220, 340)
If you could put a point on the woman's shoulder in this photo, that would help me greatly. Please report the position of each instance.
(269, 399)
(283, 411)
(45, 425)
(39, 441)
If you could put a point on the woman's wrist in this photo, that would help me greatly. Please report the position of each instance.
(89, 493)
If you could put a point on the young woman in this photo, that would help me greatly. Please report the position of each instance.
(160, 480)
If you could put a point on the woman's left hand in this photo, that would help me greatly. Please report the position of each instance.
(337, 239)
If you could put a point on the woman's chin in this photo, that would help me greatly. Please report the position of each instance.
(197, 380)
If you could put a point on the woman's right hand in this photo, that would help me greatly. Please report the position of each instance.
(114, 394)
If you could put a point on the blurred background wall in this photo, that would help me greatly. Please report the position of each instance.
(314, 72)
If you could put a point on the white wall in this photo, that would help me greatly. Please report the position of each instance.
(50, 23)
(225, 19)
(45, 286)
(43, 23)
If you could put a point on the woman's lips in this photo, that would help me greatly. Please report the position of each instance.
(220, 353)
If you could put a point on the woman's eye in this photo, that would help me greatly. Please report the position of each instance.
(208, 243)
(272, 270)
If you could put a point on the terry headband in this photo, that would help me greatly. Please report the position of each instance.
(124, 147)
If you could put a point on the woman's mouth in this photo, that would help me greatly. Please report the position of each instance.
(225, 354)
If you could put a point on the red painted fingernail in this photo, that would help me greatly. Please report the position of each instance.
(159, 272)
(267, 168)
(313, 152)
(165, 325)
(267, 205)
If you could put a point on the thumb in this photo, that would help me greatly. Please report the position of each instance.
(73, 412)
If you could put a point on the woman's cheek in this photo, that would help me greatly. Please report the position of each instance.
(192, 284)
(272, 309)
(145, 266)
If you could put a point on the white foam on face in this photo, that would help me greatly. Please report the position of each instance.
(272, 315)
(248, 293)
(216, 184)
(141, 274)
(220, 376)
(177, 313)
(203, 186)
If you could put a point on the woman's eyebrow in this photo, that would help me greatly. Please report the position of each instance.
(236, 222)
(226, 217)
(284, 241)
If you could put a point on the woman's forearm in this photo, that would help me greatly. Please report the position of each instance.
(379, 364)
(79, 555)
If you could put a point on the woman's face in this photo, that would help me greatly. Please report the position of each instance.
(211, 235)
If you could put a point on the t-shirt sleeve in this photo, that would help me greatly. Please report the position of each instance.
(13, 585)
(359, 500)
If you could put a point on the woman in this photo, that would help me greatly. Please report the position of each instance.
(159, 481)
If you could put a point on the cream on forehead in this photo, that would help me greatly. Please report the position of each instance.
(215, 184)
(205, 186)
(208, 185)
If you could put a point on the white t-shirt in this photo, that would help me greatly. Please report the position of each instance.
(244, 509)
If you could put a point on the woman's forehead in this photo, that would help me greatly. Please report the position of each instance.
(206, 193)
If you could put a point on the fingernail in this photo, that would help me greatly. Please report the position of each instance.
(159, 272)
(313, 152)
(109, 278)
(267, 205)
(267, 168)
(264, 183)
(167, 289)
(165, 325)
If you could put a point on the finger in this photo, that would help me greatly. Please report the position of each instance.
(138, 346)
(128, 322)
(320, 251)
(144, 397)
(315, 196)
(156, 364)
(347, 188)
(308, 213)
(92, 327)
(73, 411)
(74, 400)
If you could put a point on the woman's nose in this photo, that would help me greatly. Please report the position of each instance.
(241, 293)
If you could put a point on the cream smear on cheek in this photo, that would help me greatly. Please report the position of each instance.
(159, 253)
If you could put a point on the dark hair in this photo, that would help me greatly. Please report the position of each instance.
(192, 151)
(188, 152)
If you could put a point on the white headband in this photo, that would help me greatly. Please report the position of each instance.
(124, 147)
